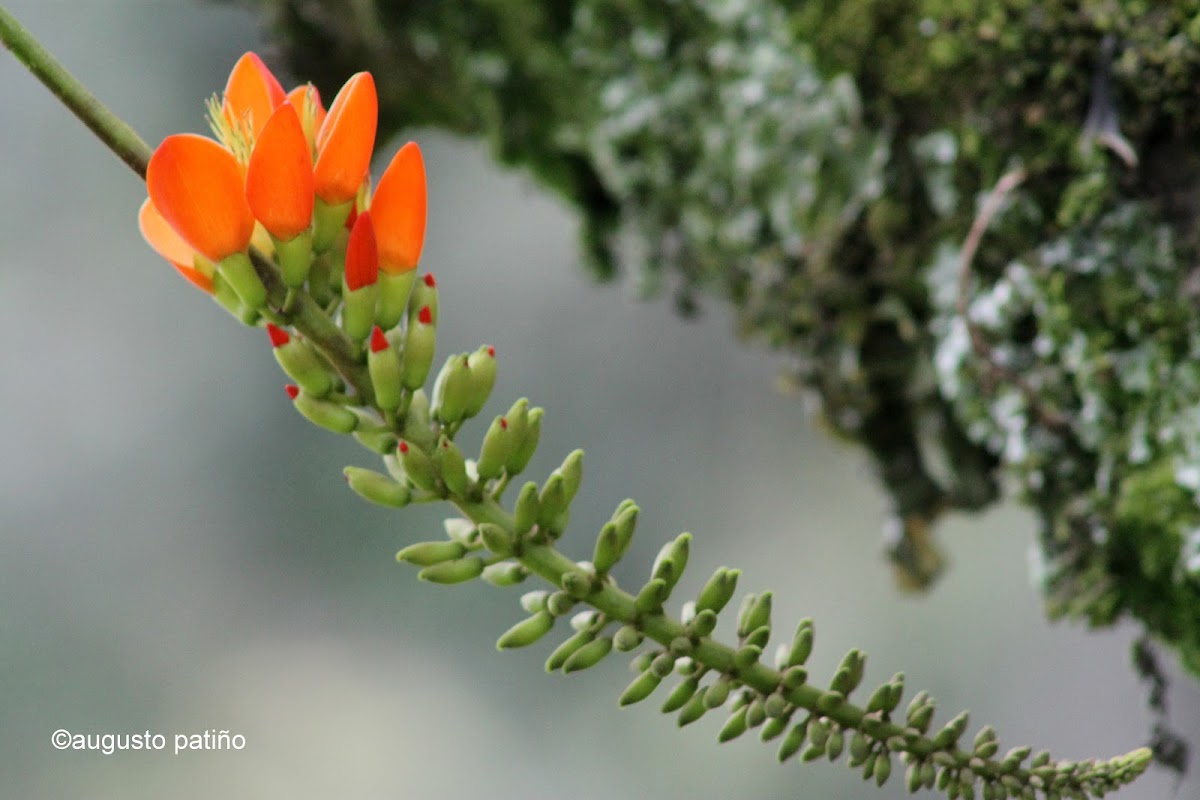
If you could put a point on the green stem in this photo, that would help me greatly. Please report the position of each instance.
(111, 129)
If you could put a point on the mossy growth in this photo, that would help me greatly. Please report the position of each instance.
(820, 165)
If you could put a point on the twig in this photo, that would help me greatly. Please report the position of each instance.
(979, 343)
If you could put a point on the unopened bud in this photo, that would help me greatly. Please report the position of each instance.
(417, 466)
(680, 695)
(641, 688)
(572, 472)
(358, 310)
(330, 416)
(452, 389)
(377, 488)
(383, 363)
(589, 655)
(452, 466)
(497, 445)
(755, 613)
(420, 341)
(672, 560)
(394, 289)
(552, 500)
(418, 427)
(506, 573)
(526, 632)
(524, 450)
(482, 364)
(300, 362)
(426, 554)
(526, 509)
(424, 295)
(464, 569)
(718, 591)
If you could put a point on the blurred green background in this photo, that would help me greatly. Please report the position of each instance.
(178, 552)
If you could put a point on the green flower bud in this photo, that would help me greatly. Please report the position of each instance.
(238, 272)
(641, 688)
(572, 472)
(681, 694)
(773, 727)
(330, 416)
(651, 597)
(625, 518)
(703, 624)
(794, 678)
(577, 585)
(664, 663)
(672, 560)
(505, 573)
(833, 747)
(718, 692)
(452, 466)
(452, 389)
(641, 662)
(497, 444)
(755, 613)
(568, 648)
(418, 426)
(526, 632)
(680, 646)
(424, 295)
(850, 672)
(734, 727)
(755, 713)
(394, 291)
(776, 706)
(746, 657)
(693, 709)
(559, 603)
(986, 743)
(830, 702)
(300, 362)
(627, 638)
(802, 642)
(607, 552)
(378, 440)
(482, 367)
(496, 539)
(426, 554)
(523, 452)
(949, 735)
(526, 509)
(758, 637)
(376, 487)
(552, 501)
(518, 420)
(383, 364)
(420, 341)
(589, 655)
(883, 768)
(358, 310)
(879, 698)
(463, 569)
(535, 601)
(860, 748)
(792, 742)
(718, 591)
(417, 466)
(895, 692)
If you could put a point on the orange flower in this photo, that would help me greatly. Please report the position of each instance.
(167, 243)
(307, 102)
(197, 187)
(279, 178)
(362, 255)
(251, 95)
(345, 141)
(399, 208)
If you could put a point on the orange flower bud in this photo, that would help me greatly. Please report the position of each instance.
(362, 255)
(279, 179)
(167, 243)
(197, 187)
(251, 94)
(399, 207)
(346, 139)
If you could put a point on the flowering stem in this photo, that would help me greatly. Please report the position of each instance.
(111, 129)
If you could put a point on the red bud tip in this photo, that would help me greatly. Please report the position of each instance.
(429, 281)
(491, 351)
(402, 447)
(503, 424)
(425, 316)
(378, 340)
(279, 336)
(293, 390)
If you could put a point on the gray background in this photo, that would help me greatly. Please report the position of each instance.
(178, 551)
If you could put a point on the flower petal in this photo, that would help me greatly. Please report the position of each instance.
(307, 102)
(252, 93)
(362, 256)
(279, 178)
(345, 140)
(399, 208)
(166, 242)
(197, 187)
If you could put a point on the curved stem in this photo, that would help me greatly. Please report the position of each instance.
(108, 127)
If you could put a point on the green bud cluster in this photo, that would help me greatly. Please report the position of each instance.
(372, 386)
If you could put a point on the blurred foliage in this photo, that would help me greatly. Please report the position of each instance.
(819, 164)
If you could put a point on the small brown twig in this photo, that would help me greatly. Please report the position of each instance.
(979, 344)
